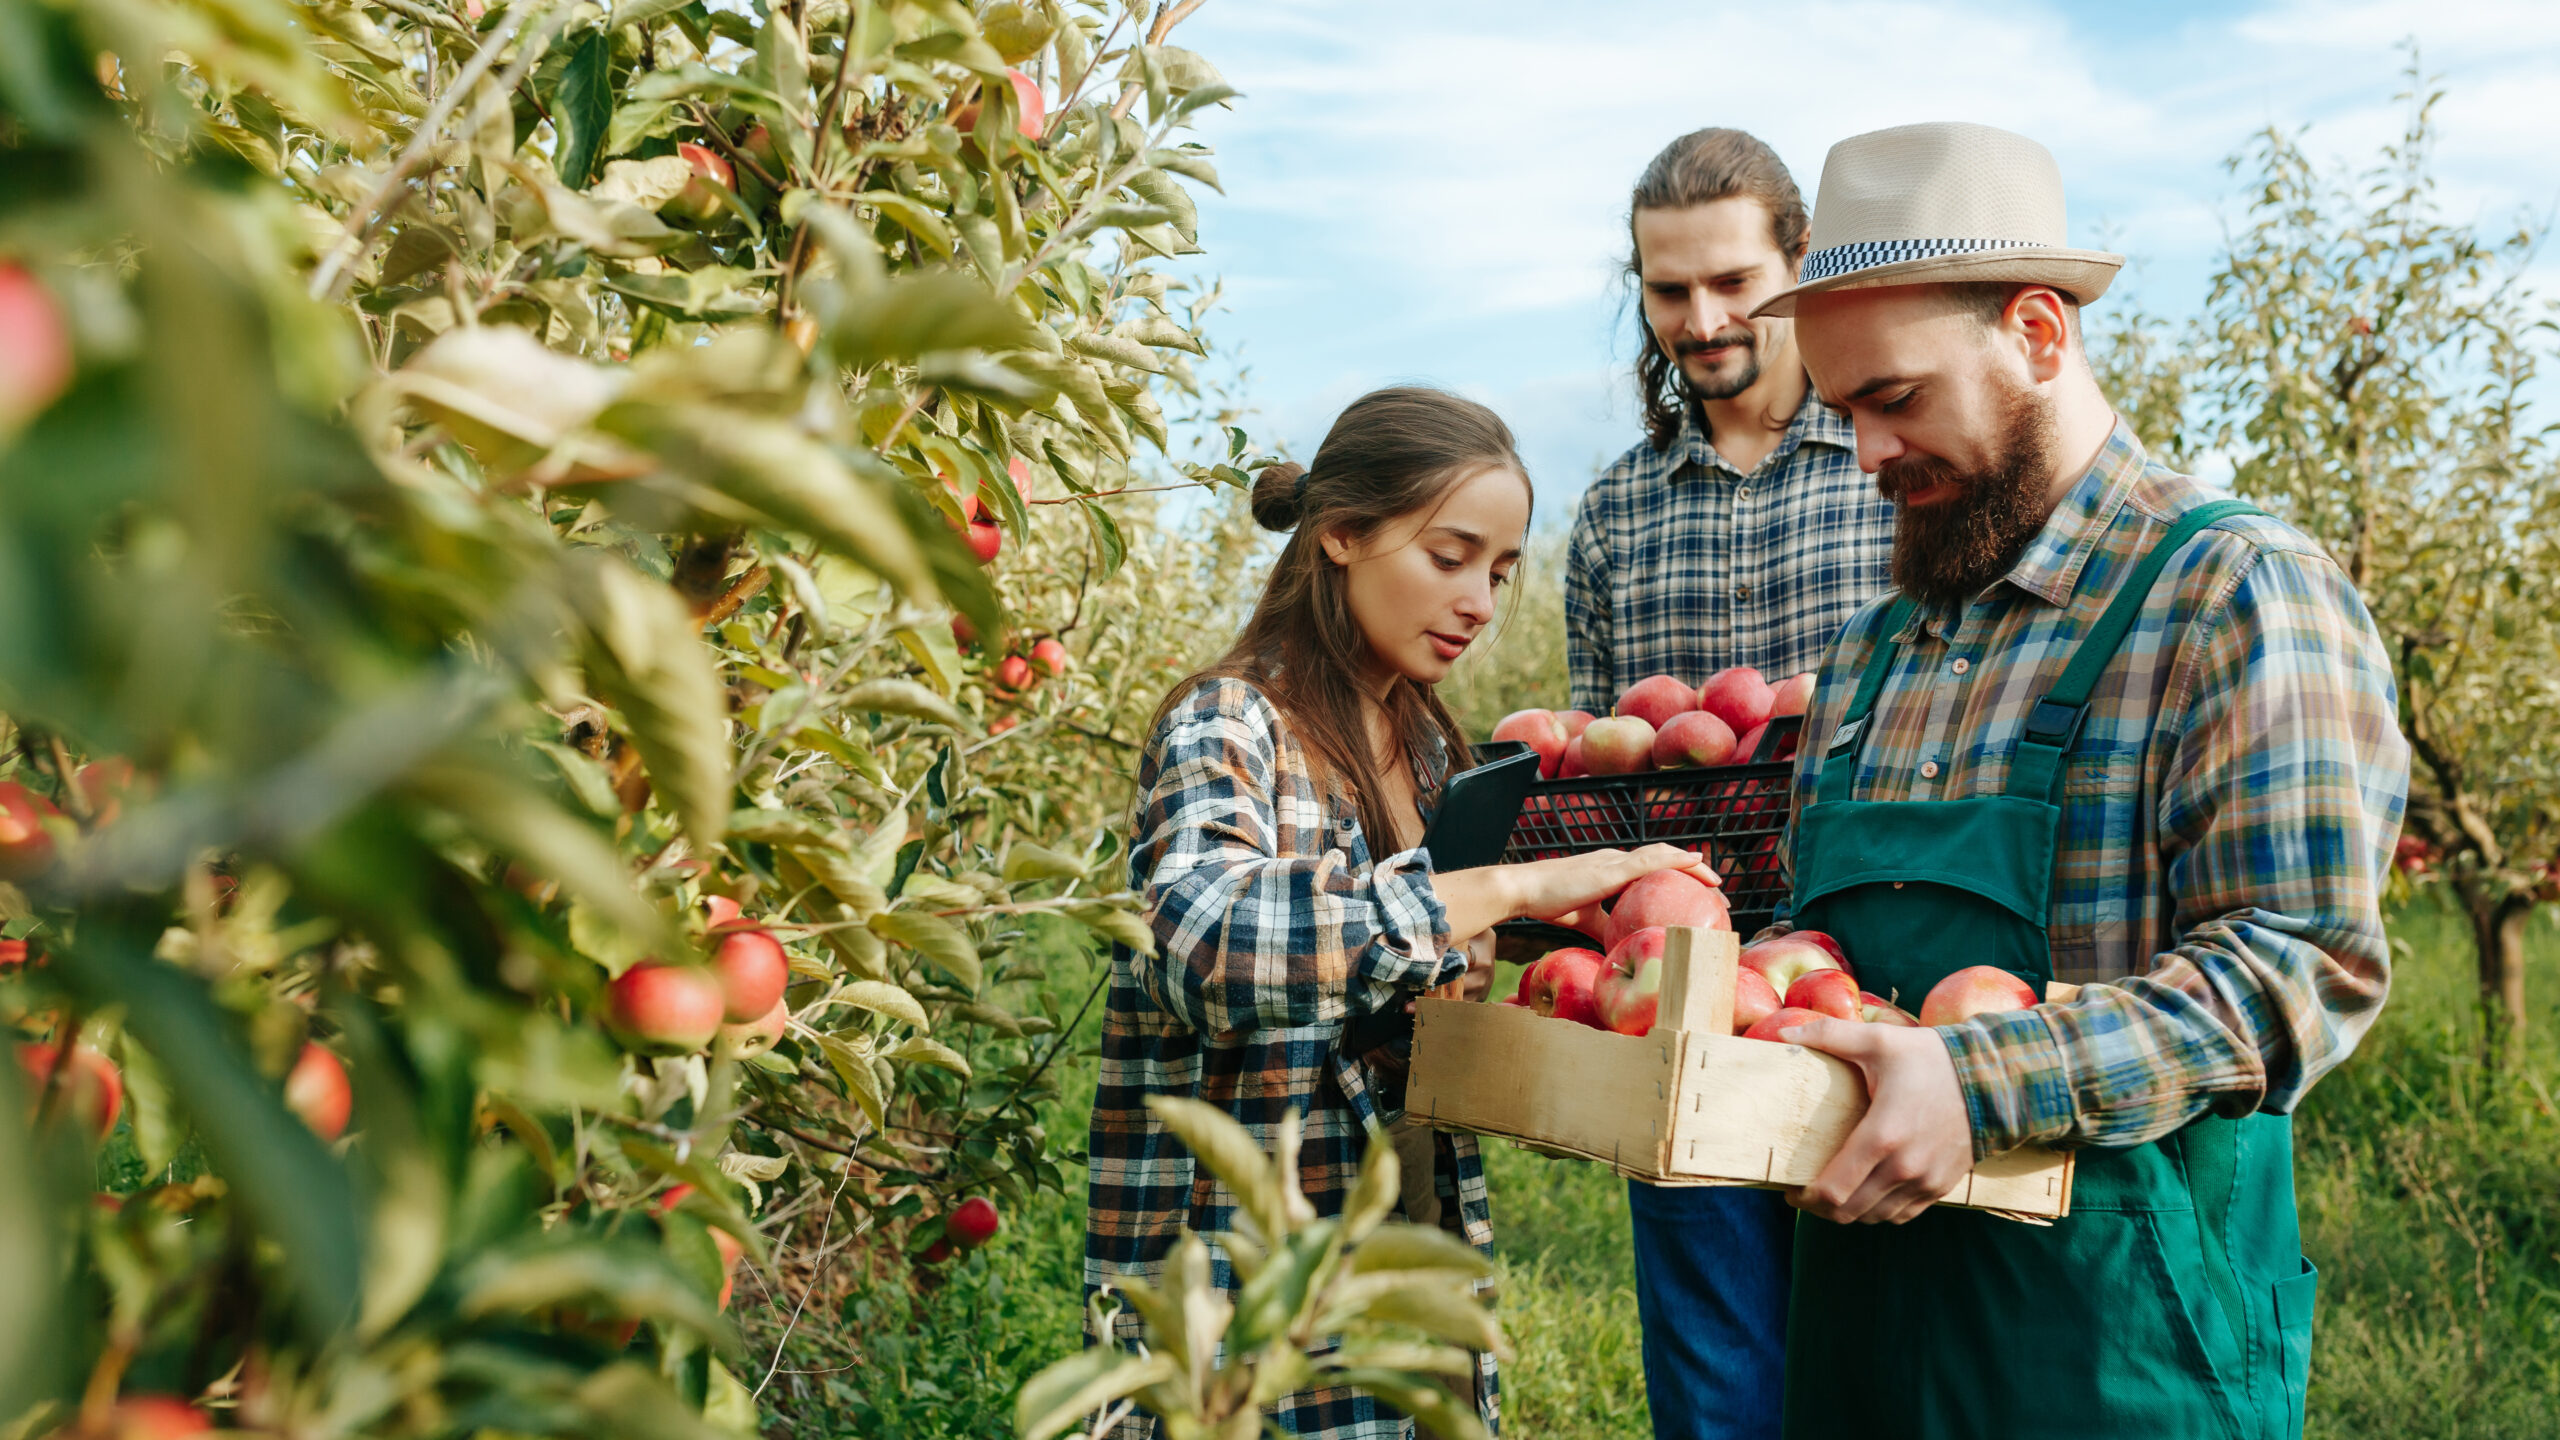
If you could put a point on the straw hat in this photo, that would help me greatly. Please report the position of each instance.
(1944, 202)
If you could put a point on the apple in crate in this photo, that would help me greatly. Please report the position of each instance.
(1693, 738)
(1975, 990)
(1782, 1019)
(1631, 985)
(1666, 898)
(1792, 696)
(1564, 985)
(1738, 697)
(1575, 722)
(1825, 992)
(1541, 731)
(1877, 1010)
(1620, 745)
(1788, 958)
(1753, 1000)
(1655, 699)
(1571, 766)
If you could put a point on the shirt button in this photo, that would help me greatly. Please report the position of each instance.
(1929, 771)
(1741, 592)
(1743, 494)
(1962, 666)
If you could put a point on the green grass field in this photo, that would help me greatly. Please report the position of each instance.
(2430, 1193)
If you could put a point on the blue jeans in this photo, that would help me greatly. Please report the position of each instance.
(1711, 1289)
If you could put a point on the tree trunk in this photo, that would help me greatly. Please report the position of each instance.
(2497, 935)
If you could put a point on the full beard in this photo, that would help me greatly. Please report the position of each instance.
(1945, 553)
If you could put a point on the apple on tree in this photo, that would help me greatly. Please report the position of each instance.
(316, 1089)
(668, 1009)
(92, 1092)
(753, 971)
(974, 1223)
(26, 847)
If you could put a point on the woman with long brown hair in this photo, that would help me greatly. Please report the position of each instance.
(1281, 802)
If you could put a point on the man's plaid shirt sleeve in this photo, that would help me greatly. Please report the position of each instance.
(1588, 653)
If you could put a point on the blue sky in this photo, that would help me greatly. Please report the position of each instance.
(1436, 191)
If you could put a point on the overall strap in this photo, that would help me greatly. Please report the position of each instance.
(1840, 762)
(2054, 724)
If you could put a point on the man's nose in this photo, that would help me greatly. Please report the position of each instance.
(1877, 445)
(1708, 314)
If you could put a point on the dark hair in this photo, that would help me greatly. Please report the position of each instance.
(1391, 453)
(1700, 168)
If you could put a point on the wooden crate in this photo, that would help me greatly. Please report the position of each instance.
(1688, 1104)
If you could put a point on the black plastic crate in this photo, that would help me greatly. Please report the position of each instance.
(1734, 815)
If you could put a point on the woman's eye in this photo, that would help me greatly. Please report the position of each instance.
(1447, 562)
(1500, 578)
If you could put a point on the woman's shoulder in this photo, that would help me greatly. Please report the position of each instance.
(1223, 702)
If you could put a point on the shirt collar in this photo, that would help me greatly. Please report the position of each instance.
(1814, 424)
(2050, 568)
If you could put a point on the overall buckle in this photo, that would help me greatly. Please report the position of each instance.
(2053, 723)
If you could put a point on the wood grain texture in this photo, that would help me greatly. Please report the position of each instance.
(1503, 1070)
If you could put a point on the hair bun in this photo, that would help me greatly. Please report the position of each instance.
(1278, 498)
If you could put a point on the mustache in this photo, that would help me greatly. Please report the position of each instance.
(1898, 478)
(1735, 338)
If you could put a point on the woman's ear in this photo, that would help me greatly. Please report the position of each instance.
(1337, 547)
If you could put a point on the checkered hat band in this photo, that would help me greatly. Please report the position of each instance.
(1842, 259)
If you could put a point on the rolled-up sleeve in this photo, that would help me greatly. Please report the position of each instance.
(1249, 938)
(2276, 820)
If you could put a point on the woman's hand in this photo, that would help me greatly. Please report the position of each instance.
(1543, 889)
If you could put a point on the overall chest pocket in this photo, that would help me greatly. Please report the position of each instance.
(2094, 872)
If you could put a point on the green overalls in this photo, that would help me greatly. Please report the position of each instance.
(2173, 1302)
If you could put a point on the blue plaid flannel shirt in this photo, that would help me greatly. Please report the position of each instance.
(1681, 565)
(1273, 926)
(2228, 814)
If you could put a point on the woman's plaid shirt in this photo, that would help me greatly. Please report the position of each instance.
(1273, 927)
(2228, 818)
(1681, 565)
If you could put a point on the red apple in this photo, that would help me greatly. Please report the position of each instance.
(1620, 745)
(1026, 95)
(35, 348)
(103, 783)
(1021, 476)
(974, 1223)
(1051, 658)
(1575, 721)
(1655, 699)
(673, 1008)
(1541, 732)
(1738, 697)
(986, 540)
(1746, 750)
(1791, 696)
(964, 632)
(316, 1089)
(93, 1092)
(1975, 990)
(1825, 992)
(26, 848)
(1780, 1019)
(1014, 675)
(1753, 1000)
(1693, 737)
(153, 1417)
(1786, 959)
(1665, 898)
(13, 953)
(1003, 723)
(1630, 992)
(1563, 985)
(935, 1253)
(1877, 1010)
(700, 202)
(746, 1039)
(752, 970)
(1571, 766)
(722, 912)
(1832, 947)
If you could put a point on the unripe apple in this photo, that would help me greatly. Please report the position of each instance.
(26, 848)
(1738, 697)
(316, 1089)
(1786, 959)
(1780, 1019)
(93, 1093)
(1655, 699)
(1051, 657)
(1791, 696)
(986, 540)
(154, 1417)
(1693, 737)
(1575, 721)
(700, 200)
(662, 1007)
(1665, 898)
(1753, 1000)
(1825, 992)
(747, 1039)
(753, 971)
(35, 348)
(974, 1223)
(1620, 745)
(1975, 990)
(1541, 731)
(1877, 1010)
(1563, 985)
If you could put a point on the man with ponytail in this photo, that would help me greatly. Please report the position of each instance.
(1739, 532)
(1282, 797)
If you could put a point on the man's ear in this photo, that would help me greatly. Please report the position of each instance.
(2041, 320)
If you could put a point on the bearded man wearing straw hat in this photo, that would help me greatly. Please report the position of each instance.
(2109, 730)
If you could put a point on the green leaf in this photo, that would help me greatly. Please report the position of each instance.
(1225, 1149)
(917, 1049)
(860, 1082)
(1106, 536)
(642, 12)
(582, 109)
(902, 697)
(882, 998)
(936, 939)
(1118, 351)
(1029, 860)
(522, 825)
(1374, 1194)
(1084, 1382)
(1114, 923)
(289, 1188)
(1418, 1247)
(646, 658)
(619, 1278)
(714, 292)
(914, 315)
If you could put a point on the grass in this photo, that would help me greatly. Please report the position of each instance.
(2430, 1197)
